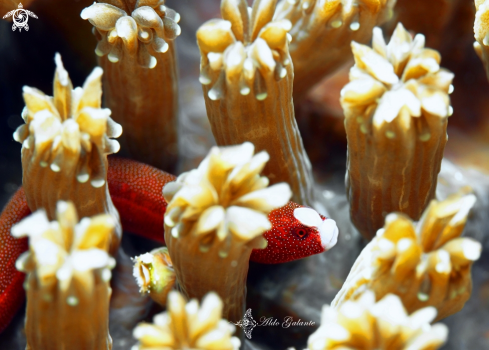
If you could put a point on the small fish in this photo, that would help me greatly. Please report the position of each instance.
(297, 232)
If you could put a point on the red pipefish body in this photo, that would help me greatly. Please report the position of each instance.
(136, 191)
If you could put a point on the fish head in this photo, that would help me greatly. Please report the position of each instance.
(297, 232)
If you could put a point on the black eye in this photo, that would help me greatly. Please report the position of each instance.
(300, 232)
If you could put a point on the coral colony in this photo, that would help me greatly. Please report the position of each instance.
(253, 197)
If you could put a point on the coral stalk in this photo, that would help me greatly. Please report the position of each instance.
(216, 215)
(365, 324)
(246, 76)
(425, 263)
(188, 326)
(67, 286)
(396, 107)
(322, 31)
(65, 143)
(137, 52)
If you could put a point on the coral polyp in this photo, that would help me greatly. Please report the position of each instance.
(188, 325)
(425, 263)
(137, 52)
(396, 108)
(247, 75)
(365, 324)
(68, 268)
(216, 215)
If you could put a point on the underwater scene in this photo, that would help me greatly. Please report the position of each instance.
(244, 175)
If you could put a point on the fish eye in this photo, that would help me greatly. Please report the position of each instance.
(300, 232)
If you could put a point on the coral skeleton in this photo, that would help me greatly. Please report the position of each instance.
(137, 52)
(216, 215)
(481, 32)
(188, 326)
(65, 142)
(322, 31)
(67, 286)
(396, 107)
(154, 274)
(246, 76)
(425, 263)
(365, 324)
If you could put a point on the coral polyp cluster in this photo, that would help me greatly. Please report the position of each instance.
(396, 107)
(252, 199)
(365, 324)
(148, 29)
(425, 263)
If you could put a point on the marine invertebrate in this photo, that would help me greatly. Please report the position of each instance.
(322, 31)
(216, 215)
(425, 263)
(364, 324)
(481, 32)
(68, 279)
(396, 107)
(65, 142)
(136, 191)
(188, 325)
(137, 52)
(246, 76)
(154, 274)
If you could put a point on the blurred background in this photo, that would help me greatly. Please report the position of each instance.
(298, 289)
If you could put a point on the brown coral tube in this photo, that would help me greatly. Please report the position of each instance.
(65, 143)
(396, 108)
(247, 78)
(391, 174)
(83, 324)
(207, 271)
(322, 32)
(137, 54)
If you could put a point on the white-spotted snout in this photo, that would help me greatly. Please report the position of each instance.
(328, 231)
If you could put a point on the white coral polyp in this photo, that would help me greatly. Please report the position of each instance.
(188, 326)
(65, 249)
(69, 131)
(395, 78)
(144, 32)
(353, 324)
(225, 195)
